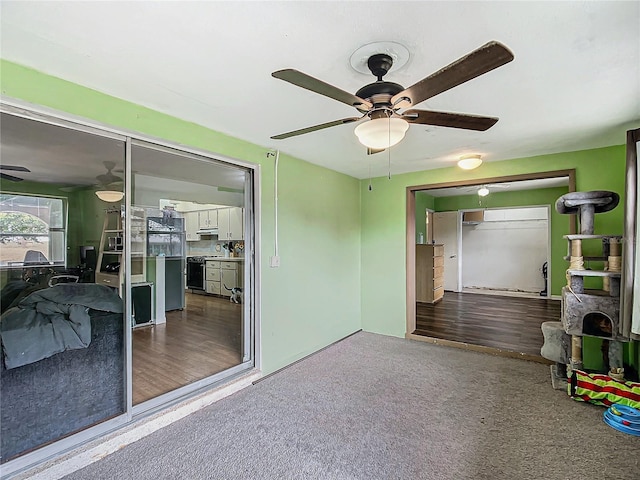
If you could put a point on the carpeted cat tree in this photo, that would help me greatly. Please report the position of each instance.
(588, 311)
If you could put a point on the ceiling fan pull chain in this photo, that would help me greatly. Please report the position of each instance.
(389, 148)
(370, 187)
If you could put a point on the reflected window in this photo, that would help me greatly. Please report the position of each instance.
(32, 230)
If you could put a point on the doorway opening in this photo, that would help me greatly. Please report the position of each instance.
(501, 245)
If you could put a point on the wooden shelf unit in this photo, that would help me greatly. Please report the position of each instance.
(113, 228)
(429, 273)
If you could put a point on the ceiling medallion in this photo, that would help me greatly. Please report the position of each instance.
(398, 52)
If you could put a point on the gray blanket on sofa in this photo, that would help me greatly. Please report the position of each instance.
(53, 320)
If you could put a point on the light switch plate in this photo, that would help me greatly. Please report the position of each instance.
(274, 261)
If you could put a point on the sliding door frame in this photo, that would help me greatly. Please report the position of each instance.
(50, 116)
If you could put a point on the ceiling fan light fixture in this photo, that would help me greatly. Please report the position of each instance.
(110, 195)
(469, 162)
(483, 191)
(381, 132)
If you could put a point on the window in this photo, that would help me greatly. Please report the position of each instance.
(32, 229)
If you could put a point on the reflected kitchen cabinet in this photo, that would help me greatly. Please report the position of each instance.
(231, 223)
(191, 224)
(208, 219)
(222, 275)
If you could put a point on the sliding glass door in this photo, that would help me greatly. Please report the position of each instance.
(101, 230)
(189, 234)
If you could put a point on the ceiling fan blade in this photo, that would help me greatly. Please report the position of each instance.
(315, 127)
(318, 86)
(15, 168)
(373, 151)
(10, 177)
(454, 120)
(107, 178)
(480, 61)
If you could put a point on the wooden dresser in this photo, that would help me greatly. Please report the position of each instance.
(429, 273)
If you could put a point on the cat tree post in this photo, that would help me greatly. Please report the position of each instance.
(576, 284)
(576, 353)
(576, 260)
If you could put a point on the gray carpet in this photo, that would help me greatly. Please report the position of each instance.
(376, 407)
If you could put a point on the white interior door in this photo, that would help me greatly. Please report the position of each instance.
(445, 231)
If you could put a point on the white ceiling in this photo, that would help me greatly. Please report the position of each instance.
(574, 83)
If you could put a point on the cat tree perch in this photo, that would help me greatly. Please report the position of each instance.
(587, 204)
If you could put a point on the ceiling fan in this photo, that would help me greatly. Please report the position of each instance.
(13, 168)
(382, 102)
(485, 189)
(108, 178)
(104, 181)
(110, 186)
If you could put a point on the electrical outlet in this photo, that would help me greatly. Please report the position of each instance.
(274, 261)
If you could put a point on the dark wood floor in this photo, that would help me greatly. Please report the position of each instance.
(507, 323)
(195, 343)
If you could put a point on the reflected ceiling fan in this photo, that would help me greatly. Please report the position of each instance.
(13, 168)
(109, 178)
(383, 104)
(110, 187)
(105, 181)
(485, 189)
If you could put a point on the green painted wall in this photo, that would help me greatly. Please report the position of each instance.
(383, 300)
(544, 196)
(424, 201)
(349, 240)
(313, 298)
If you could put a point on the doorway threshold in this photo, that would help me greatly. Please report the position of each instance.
(503, 293)
(479, 348)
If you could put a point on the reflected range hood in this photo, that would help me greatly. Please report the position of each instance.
(207, 231)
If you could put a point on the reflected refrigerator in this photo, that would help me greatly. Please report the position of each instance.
(166, 237)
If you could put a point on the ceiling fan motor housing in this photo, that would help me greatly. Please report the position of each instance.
(380, 92)
(380, 88)
(379, 64)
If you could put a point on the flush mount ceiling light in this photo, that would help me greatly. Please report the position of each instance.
(380, 133)
(110, 195)
(483, 191)
(469, 162)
